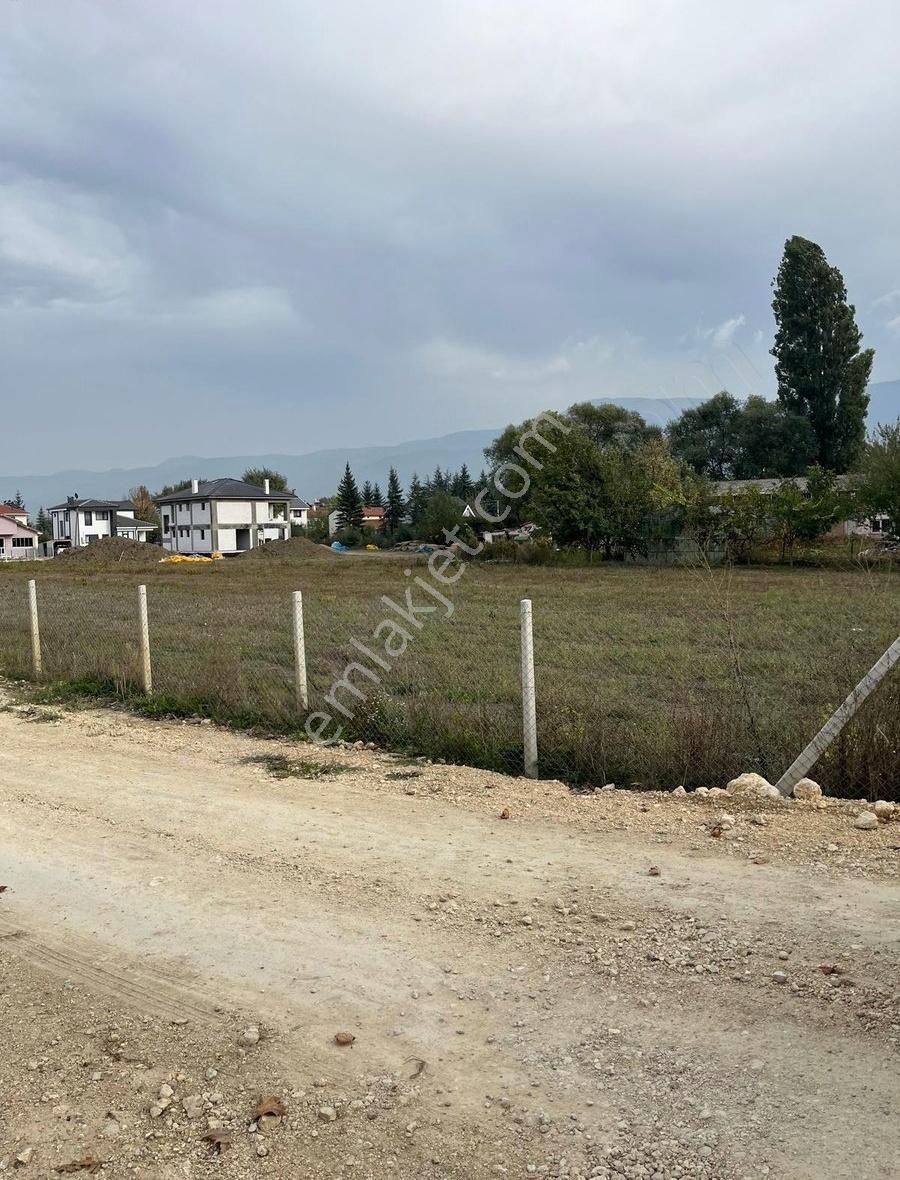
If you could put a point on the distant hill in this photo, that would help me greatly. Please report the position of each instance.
(313, 475)
(317, 473)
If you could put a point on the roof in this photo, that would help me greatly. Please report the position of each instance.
(11, 510)
(297, 502)
(373, 511)
(90, 505)
(129, 522)
(766, 486)
(222, 489)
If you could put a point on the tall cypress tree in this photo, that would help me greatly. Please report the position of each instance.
(822, 373)
(349, 502)
(394, 510)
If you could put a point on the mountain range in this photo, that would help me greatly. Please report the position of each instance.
(317, 473)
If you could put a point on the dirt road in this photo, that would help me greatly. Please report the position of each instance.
(526, 996)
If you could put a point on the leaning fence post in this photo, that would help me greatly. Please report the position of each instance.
(300, 653)
(838, 720)
(529, 708)
(35, 629)
(144, 625)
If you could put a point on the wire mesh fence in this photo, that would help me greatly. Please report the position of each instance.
(647, 677)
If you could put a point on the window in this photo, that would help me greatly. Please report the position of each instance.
(202, 505)
(102, 515)
(165, 522)
(203, 534)
(22, 543)
(184, 532)
(88, 518)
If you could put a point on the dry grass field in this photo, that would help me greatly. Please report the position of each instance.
(652, 676)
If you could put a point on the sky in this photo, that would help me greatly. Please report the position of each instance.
(279, 226)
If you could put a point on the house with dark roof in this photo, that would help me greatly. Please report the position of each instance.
(224, 516)
(78, 522)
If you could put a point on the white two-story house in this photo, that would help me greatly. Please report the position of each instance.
(78, 522)
(223, 515)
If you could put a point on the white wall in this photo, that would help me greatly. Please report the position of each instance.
(234, 512)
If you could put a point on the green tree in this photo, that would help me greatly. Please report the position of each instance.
(604, 498)
(611, 425)
(144, 508)
(462, 484)
(367, 494)
(707, 437)
(805, 512)
(745, 521)
(395, 507)
(349, 502)
(822, 373)
(417, 500)
(258, 475)
(772, 441)
(18, 502)
(878, 477)
(377, 500)
(42, 524)
(180, 485)
(442, 511)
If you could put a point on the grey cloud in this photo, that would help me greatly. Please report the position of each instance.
(367, 222)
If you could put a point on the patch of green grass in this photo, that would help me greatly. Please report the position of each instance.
(280, 766)
(652, 675)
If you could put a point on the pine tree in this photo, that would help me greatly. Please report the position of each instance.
(462, 485)
(18, 502)
(42, 524)
(417, 500)
(349, 502)
(438, 481)
(367, 495)
(376, 501)
(395, 508)
(822, 374)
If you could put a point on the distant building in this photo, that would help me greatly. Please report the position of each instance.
(18, 540)
(18, 514)
(875, 526)
(225, 516)
(299, 512)
(79, 522)
(373, 518)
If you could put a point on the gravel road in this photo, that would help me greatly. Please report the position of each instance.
(538, 984)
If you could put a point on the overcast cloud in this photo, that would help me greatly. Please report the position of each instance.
(284, 225)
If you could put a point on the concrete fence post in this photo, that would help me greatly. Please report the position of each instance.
(836, 722)
(144, 637)
(36, 661)
(300, 654)
(529, 706)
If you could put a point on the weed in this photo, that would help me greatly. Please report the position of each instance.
(280, 766)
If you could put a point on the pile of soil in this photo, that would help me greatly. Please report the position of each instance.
(113, 549)
(293, 549)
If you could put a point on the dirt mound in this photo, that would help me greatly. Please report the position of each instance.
(113, 549)
(293, 549)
